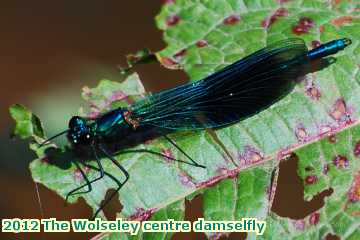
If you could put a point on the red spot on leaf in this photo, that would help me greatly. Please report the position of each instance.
(201, 43)
(169, 1)
(357, 149)
(354, 192)
(315, 43)
(172, 20)
(118, 96)
(298, 30)
(332, 138)
(341, 161)
(314, 218)
(303, 26)
(339, 21)
(306, 22)
(231, 20)
(129, 101)
(251, 155)
(179, 54)
(142, 214)
(265, 23)
(281, 12)
(283, 1)
(167, 155)
(312, 90)
(311, 179)
(340, 112)
(321, 28)
(299, 224)
(301, 133)
(186, 180)
(45, 160)
(168, 62)
(78, 175)
(336, 2)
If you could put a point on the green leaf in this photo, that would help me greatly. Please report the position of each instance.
(140, 57)
(203, 37)
(301, 118)
(248, 195)
(321, 168)
(27, 124)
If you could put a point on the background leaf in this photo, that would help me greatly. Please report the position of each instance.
(27, 124)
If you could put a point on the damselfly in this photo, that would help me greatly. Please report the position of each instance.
(234, 93)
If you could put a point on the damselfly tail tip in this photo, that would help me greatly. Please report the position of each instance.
(347, 41)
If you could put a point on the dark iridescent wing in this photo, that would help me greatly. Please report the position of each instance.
(236, 92)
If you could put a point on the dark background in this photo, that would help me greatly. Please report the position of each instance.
(48, 51)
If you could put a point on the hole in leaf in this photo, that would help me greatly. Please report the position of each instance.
(113, 206)
(193, 211)
(332, 237)
(289, 196)
(55, 206)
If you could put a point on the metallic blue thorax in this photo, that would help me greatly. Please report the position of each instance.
(111, 124)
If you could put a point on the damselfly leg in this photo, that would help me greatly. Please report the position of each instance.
(123, 170)
(183, 152)
(88, 183)
(101, 170)
(115, 162)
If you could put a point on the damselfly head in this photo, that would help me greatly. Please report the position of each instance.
(79, 132)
